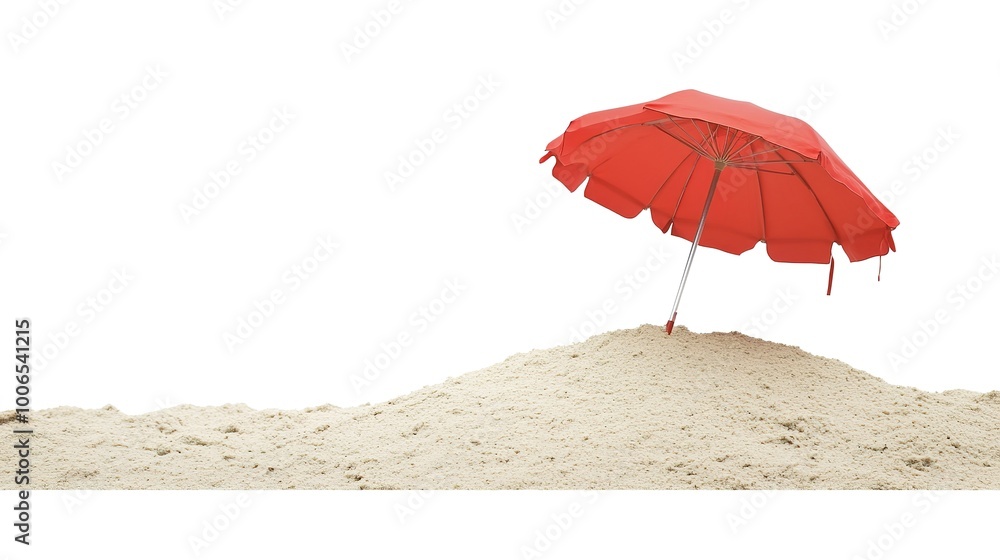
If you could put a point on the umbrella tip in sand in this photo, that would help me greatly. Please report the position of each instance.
(670, 324)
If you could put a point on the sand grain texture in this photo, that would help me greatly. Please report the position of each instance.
(631, 409)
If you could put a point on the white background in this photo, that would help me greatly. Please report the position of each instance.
(882, 85)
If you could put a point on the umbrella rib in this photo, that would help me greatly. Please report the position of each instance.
(767, 161)
(715, 139)
(680, 197)
(665, 181)
(836, 236)
(758, 168)
(694, 142)
(733, 150)
(593, 173)
(755, 154)
(726, 145)
(752, 157)
(694, 147)
(744, 146)
(751, 160)
(704, 138)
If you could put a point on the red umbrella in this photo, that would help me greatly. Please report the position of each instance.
(724, 174)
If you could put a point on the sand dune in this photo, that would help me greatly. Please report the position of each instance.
(624, 410)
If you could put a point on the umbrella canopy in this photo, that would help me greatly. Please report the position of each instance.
(724, 174)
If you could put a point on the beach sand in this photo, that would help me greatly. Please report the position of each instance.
(631, 409)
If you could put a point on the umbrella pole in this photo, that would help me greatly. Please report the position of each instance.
(719, 166)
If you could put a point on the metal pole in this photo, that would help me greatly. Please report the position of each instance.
(719, 166)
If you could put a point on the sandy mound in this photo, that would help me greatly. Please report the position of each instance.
(628, 409)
